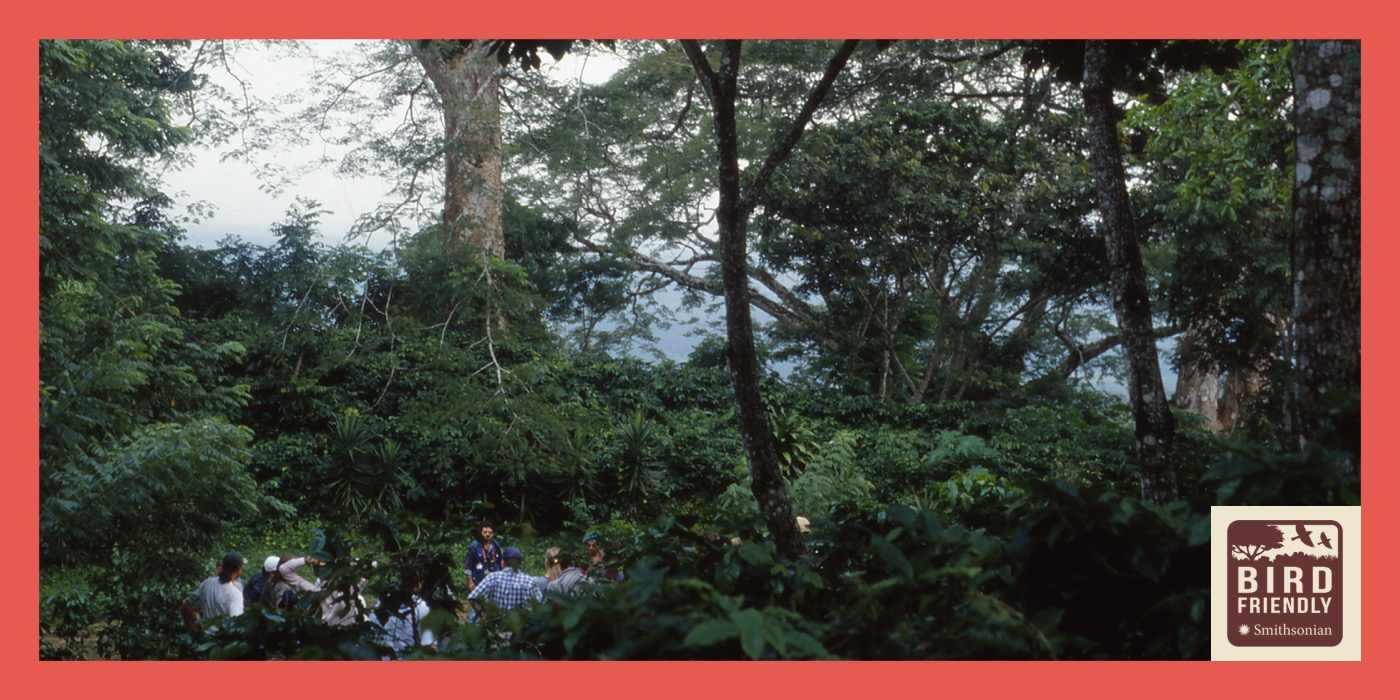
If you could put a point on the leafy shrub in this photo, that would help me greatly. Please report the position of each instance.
(975, 497)
(829, 480)
(1256, 477)
(1066, 442)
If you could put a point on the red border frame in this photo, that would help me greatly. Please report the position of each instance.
(1282, 19)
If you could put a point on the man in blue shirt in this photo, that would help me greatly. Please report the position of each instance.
(483, 557)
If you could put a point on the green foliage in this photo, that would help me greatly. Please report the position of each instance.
(974, 496)
(1220, 150)
(364, 477)
(90, 612)
(135, 440)
(103, 110)
(886, 583)
(70, 617)
(1067, 442)
(635, 453)
(793, 439)
(943, 243)
(1257, 477)
(889, 584)
(956, 450)
(830, 480)
(898, 222)
(166, 485)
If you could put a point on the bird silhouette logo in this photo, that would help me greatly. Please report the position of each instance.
(1284, 584)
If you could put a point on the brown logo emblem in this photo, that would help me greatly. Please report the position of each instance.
(1285, 583)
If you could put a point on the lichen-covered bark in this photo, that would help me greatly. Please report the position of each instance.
(1152, 418)
(465, 75)
(1326, 226)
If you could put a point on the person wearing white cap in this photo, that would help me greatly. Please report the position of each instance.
(253, 591)
(285, 583)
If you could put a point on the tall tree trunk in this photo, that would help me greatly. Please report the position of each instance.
(1197, 389)
(466, 76)
(760, 448)
(1326, 227)
(1152, 418)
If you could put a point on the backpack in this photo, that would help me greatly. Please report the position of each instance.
(278, 594)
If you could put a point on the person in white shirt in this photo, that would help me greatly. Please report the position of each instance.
(217, 595)
(403, 628)
(286, 584)
(289, 570)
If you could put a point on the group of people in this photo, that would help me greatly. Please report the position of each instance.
(493, 576)
(279, 585)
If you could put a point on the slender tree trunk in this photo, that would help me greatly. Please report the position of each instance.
(1326, 227)
(760, 448)
(466, 76)
(1152, 418)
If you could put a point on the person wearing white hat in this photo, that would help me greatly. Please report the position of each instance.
(253, 591)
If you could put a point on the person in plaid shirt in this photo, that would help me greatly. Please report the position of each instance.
(508, 588)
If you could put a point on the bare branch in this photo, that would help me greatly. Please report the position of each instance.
(641, 261)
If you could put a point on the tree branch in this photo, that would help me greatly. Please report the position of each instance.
(780, 312)
(703, 72)
(799, 125)
(1080, 355)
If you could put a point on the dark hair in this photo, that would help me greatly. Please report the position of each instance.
(565, 558)
(485, 524)
(232, 562)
